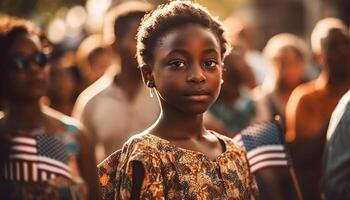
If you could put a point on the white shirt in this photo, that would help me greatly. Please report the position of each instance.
(110, 117)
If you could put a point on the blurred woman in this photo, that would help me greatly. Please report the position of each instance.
(286, 54)
(44, 155)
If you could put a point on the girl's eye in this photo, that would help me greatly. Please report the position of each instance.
(177, 64)
(210, 64)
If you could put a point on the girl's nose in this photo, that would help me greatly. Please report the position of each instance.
(196, 74)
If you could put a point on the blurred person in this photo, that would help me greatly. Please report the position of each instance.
(180, 48)
(244, 34)
(114, 108)
(93, 58)
(286, 54)
(311, 104)
(44, 154)
(336, 158)
(234, 109)
(65, 86)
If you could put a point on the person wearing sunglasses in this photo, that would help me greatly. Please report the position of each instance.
(43, 153)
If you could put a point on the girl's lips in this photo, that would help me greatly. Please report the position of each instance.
(198, 97)
(197, 92)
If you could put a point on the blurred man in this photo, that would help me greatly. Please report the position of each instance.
(93, 58)
(336, 171)
(115, 108)
(310, 106)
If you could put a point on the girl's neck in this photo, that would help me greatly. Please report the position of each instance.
(175, 125)
(24, 114)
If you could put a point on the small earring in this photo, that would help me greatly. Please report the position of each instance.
(151, 92)
(222, 81)
(150, 84)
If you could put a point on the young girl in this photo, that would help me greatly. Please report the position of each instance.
(43, 154)
(180, 49)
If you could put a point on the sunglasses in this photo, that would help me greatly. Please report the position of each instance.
(21, 63)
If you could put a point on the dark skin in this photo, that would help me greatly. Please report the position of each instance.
(187, 73)
(129, 79)
(317, 100)
(23, 109)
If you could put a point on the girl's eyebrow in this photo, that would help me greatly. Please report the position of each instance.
(178, 51)
(185, 53)
(211, 50)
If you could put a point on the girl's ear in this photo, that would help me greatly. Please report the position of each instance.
(147, 76)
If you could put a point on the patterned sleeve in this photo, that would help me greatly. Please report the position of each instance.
(250, 188)
(107, 170)
(152, 185)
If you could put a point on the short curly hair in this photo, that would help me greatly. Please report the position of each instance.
(172, 15)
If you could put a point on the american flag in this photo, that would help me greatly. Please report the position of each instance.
(264, 145)
(35, 159)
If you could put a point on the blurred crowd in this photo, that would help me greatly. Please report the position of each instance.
(98, 84)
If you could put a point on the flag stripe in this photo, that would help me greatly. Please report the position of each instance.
(53, 169)
(267, 156)
(259, 150)
(22, 148)
(24, 140)
(268, 163)
(41, 159)
(43, 175)
(34, 172)
(25, 171)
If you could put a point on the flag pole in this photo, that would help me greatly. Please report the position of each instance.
(291, 170)
(295, 183)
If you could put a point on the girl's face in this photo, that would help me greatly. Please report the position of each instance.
(27, 69)
(187, 69)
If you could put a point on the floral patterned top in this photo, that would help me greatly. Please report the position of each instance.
(172, 172)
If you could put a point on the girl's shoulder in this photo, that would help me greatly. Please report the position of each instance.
(118, 166)
(136, 148)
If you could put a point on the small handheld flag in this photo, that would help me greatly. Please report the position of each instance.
(264, 146)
